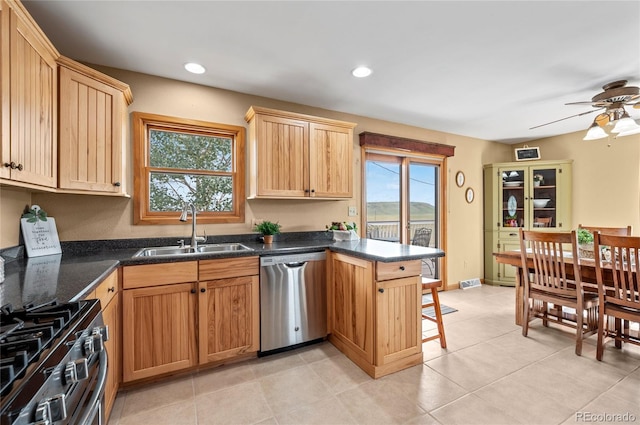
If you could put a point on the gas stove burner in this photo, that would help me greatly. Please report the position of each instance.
(26, 333)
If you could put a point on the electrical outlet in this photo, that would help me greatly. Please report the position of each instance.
(353, 211)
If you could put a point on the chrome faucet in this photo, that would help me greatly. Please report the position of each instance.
(187, 208)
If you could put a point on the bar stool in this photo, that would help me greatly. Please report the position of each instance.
(433, 285)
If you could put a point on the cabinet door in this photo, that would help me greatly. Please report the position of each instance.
(282, 155)
(91, 123)
(229, 313)
(550, 197)
(508, 241)
(159, 331)
(33, 76)
(330, 161)
(5, 91)
(513, 196)
(351, 304)
(110, 315)
(398, 319)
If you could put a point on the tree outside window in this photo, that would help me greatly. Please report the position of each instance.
(180, 161)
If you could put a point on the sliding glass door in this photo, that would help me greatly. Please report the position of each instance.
(402, 201)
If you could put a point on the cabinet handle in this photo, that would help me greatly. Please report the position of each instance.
(306, 191)
(193, 291)
(513, 234)
(112, 289)
(313, 191)
(117, 184)
(381, 290)
(203, 290)
(14, 166)
(402, 268)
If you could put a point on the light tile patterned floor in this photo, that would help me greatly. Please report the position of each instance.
(487, 375)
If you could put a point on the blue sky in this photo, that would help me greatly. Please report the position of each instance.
(383, 182)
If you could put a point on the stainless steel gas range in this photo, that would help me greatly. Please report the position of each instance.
(53, 363)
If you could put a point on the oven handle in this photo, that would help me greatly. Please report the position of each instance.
(97, 393)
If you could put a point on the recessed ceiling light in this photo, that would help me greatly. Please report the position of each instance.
(361, 72)
(196, 68)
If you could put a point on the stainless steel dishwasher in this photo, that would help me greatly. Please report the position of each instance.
(293, 300)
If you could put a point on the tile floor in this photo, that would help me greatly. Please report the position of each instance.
(488, 375)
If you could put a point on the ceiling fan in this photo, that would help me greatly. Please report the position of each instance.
(615, 95)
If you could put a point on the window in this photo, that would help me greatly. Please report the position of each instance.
(178, 161)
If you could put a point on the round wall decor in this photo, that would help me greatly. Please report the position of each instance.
(469, 195)
(460, 178)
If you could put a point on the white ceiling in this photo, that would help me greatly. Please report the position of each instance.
(482, 69)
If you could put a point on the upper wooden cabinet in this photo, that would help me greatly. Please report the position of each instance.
(28, 75)
(299, 156)
(93, 108)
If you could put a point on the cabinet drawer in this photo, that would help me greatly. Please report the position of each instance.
(159, 274)
(510, 234)
(398, 269)
(107, 289)
(228, 267)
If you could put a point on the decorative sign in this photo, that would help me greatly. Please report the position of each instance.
(527, 154)
(40, 233)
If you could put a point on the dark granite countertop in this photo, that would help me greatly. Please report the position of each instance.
(84, 264)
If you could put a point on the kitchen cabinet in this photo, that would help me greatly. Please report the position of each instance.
(28, 75)
(375, 312)
(187, 313)
(159, 334)
(108, 292)
(299, 156)
(228, 308)
(92, 119)
(528, 195)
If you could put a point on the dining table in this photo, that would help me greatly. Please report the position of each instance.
(587, 274)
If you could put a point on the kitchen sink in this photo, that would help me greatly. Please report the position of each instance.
(187, 250)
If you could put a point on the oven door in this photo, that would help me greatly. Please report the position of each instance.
(91, 409)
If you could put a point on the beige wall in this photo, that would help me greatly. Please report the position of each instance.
(95, 217)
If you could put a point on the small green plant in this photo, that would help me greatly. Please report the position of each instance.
(342, 225)
(584, 237)
(267, 228)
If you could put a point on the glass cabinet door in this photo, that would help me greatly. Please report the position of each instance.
(544, 197)
(512, 192)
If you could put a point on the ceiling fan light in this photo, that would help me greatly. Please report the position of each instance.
(595, 132)
(629, 132)
(625, 124)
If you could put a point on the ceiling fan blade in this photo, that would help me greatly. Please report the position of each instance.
(566, 118)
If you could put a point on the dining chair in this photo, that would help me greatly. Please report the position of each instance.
(619, 231)
(555, 279)
(619, 303)
(422, 237)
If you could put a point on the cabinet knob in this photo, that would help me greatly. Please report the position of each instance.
(117, 184)
(306, 191)
(203, 290)
(112, 289)
(313, 191)
(381, 290)
(193, 291)
(402, 268)
(14, 166)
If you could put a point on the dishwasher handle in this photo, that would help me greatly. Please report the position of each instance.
(295, 265)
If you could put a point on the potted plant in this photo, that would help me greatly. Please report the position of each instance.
(585, 243)
(268, 229)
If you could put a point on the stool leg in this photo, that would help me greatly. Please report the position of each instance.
(436, 301)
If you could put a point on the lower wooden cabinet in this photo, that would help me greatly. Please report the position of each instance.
(375, 313)
(207, 312)
(108, 292)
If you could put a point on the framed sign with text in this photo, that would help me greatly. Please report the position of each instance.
(527, 154)
(40, 233)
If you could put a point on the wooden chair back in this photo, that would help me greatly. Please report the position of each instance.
(619, 231)
(422, 237)
(549, 261)
(622, 255)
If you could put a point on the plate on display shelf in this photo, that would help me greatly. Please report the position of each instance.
(513, 184)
